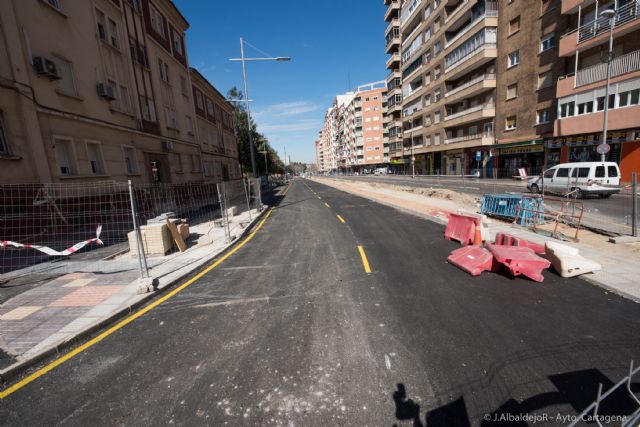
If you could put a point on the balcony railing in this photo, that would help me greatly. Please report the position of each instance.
(483, 39)
(469, 111)
(407, 11)
(600, 25)
(491, 11)
(470, 83)
(467, 138)
(619, 66)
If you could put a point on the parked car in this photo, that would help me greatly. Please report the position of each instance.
(578, 179)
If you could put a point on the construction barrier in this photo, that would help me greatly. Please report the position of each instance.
(472, 259)
(509, 205)
(520, 260)
(505, 239)
(462, 228)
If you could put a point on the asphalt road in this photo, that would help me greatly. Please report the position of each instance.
(291, 330)
(611, 215)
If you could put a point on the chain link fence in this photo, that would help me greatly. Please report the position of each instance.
(55, 229)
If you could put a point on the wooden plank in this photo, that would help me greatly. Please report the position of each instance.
(176, 236)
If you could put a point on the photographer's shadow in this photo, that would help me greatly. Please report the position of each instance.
(406, 409)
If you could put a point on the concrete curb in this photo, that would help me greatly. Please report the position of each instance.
(17, 368)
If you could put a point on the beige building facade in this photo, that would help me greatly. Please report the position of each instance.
(98, 90)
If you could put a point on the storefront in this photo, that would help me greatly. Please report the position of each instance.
(528, 155)
(454, 162)
(434, 163)
(480, 161)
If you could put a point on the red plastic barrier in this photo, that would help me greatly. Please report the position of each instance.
(472, 259)
(461, 228)
(520, 260)
(505, 239)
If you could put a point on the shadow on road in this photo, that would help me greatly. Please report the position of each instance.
(577, 389)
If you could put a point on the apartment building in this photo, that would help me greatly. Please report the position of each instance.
(392, 118)
(216, 134)
(95, 91)
(351, 139)
(527, 67)
(581, 90)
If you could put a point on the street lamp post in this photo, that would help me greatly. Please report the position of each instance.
(243, 59)
(266, 165)
(610, 14)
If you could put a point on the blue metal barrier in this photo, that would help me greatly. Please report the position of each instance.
(506, 206)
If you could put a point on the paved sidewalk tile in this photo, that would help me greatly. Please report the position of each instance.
(78, 283)
(87, 296)
(20, 312)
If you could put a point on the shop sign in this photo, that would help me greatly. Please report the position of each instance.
(399, 161)
(522, 150)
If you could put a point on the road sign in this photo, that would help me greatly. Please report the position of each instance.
(603, 148)
(478, 155)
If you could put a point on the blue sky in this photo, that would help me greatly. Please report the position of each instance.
(329, 40)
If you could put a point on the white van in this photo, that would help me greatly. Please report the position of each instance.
(578, 179)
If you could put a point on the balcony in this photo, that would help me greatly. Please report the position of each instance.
(622, 65)
(473, 114)
(393, 62)
(411, 6)
(392, 10)
(392, 75)
(476, 51)
(470, 140)
(488, 19)
(472, 87)
(597, 31)
(618, 119)
(395, 22)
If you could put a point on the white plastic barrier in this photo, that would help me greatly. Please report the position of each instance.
(567, 261)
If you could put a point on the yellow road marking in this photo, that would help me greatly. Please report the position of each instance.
(327, 205)
(42, 371)
(341, 219)
(365, 262)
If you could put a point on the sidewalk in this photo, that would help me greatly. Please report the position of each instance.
(45, 318)
(620, 262)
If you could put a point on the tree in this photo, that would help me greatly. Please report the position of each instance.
(261, 143)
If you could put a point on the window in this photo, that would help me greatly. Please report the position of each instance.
(545, 80)
(546, 6)
(157, 21)
(178, 161)
(66, 83)
(164, 70)
(65, 156)
(511, 123)
(612, 171)
(195, 163)
(54, 3)
(436, 73)
(113, 33)
(436, 139)
(172, 119)
(138, 53)
(199, 101)
(437, 95)
(580, 173)
(600, 102)
(125, 101)
(542, 117)
(628, 98)
(189, 121)
(130, 160)
(210, 110)
(547, 42)
(514, 59)
(94, 155)
(436, 117)
(148, 109)
(563, 173)
(102, 27)
(567, 109)
(549, 174)
(585, 108)
(177, 43)
(437, 47)
(512, 91)
(599, 172)
(514, 25)
(4, 143)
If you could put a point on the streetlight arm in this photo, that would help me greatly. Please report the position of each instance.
(279, 58)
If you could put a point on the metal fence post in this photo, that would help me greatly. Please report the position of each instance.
(142, 258)
(634, 204)
(247, 193)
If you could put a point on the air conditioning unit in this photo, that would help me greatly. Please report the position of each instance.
(106, 91)
(167, 145)
(45, 67)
